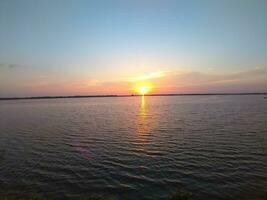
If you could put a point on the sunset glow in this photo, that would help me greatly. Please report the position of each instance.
(143, 90)
(133, 99)
(132, 47)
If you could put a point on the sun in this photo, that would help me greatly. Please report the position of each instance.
(143, 90)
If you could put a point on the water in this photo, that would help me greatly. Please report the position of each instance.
(136, 148)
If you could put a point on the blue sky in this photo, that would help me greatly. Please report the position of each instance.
(63, 46)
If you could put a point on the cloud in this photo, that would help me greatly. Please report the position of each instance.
(253, 80)
(148, 76)
(10, 66)
(185, 82)
(204, 78)
(224, 82)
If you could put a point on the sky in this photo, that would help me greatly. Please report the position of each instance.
(86, 47)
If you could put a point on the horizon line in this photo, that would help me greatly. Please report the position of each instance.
(128, 95)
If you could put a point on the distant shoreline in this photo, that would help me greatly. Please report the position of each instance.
(102, 96)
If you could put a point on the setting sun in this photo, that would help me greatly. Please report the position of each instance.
(143, 90)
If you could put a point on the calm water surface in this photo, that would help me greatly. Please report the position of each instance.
(135, 148)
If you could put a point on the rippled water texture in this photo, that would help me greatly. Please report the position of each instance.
(212, 146)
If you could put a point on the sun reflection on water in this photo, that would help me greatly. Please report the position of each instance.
(142, 108)
(142, 119)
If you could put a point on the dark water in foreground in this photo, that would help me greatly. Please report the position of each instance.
(212, 146)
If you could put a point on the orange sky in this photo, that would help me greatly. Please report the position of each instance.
(157, 82)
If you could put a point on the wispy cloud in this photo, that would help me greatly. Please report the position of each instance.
(148, 76)
(10, 66)
(185, 82)
(253, 80)
(223, 82)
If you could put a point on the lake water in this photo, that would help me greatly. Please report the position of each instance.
(135, 148)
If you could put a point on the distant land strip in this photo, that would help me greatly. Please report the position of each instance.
(132, 95)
